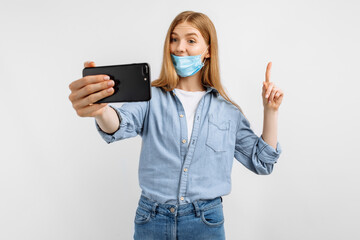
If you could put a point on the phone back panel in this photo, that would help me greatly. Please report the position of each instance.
(132, 81)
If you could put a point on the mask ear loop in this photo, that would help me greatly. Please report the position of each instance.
(203, 53)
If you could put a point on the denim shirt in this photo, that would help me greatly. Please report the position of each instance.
(173, 172)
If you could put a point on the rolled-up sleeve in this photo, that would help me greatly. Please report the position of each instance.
(131, 116)
(252, 151)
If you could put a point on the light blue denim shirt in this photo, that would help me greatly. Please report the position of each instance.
(173, 172)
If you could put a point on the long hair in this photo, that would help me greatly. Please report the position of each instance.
(210, 73)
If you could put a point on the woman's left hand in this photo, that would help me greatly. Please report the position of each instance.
(272, 95)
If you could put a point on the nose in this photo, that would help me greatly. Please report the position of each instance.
(180, 47)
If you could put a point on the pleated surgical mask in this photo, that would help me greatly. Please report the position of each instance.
(188, 65)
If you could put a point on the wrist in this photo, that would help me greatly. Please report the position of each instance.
(103, 114)
(271, 111)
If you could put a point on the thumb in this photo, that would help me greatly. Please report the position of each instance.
(89, 64)
(264, 88)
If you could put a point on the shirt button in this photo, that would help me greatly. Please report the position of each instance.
(172, 210)
(185, 169)
(174, 94)
(181, 115)
(182, 198)
(183, 141)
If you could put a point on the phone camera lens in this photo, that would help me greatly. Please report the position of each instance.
(145, 70)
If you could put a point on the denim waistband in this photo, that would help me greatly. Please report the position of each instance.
(178, 210)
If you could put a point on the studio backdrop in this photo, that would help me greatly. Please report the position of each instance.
(60, 180)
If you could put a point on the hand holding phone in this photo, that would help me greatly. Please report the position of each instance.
(132, 81)
(88, 90)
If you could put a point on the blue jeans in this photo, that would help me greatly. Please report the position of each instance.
(198, 220)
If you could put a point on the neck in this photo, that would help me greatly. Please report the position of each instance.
(191, 83)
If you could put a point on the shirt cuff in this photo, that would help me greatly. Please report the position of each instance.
(267, 153)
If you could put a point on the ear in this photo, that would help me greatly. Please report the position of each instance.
(208, 53)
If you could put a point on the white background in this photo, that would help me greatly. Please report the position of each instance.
(59, 180)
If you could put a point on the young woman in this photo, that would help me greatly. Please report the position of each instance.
(191, 131)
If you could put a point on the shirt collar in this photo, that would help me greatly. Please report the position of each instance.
(211, 89)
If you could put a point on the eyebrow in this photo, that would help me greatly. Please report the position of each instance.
(188, 34)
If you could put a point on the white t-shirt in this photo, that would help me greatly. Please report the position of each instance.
(190, 102)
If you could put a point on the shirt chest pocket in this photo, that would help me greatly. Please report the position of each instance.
(218, 134)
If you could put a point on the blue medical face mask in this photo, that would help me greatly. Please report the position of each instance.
(188, 65)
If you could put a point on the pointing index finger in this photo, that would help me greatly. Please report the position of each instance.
(267, 74)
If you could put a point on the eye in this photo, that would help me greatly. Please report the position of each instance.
(173, 40)
(191, 41)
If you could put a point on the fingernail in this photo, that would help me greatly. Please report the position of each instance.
(109, 90)
(110, 83)
(106, 78)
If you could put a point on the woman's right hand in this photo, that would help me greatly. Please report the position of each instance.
(87, 90)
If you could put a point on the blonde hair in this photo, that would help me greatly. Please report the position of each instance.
(210, 73)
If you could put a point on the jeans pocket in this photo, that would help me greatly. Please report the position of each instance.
(142, 216)
(218, 134)
(214, 216)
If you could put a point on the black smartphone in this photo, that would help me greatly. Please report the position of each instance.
(132, 81)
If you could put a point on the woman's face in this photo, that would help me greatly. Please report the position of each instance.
(186, 40)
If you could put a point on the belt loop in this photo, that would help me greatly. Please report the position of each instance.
(197, 210)
(153, 212)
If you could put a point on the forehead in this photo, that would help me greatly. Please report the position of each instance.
(185, 28)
